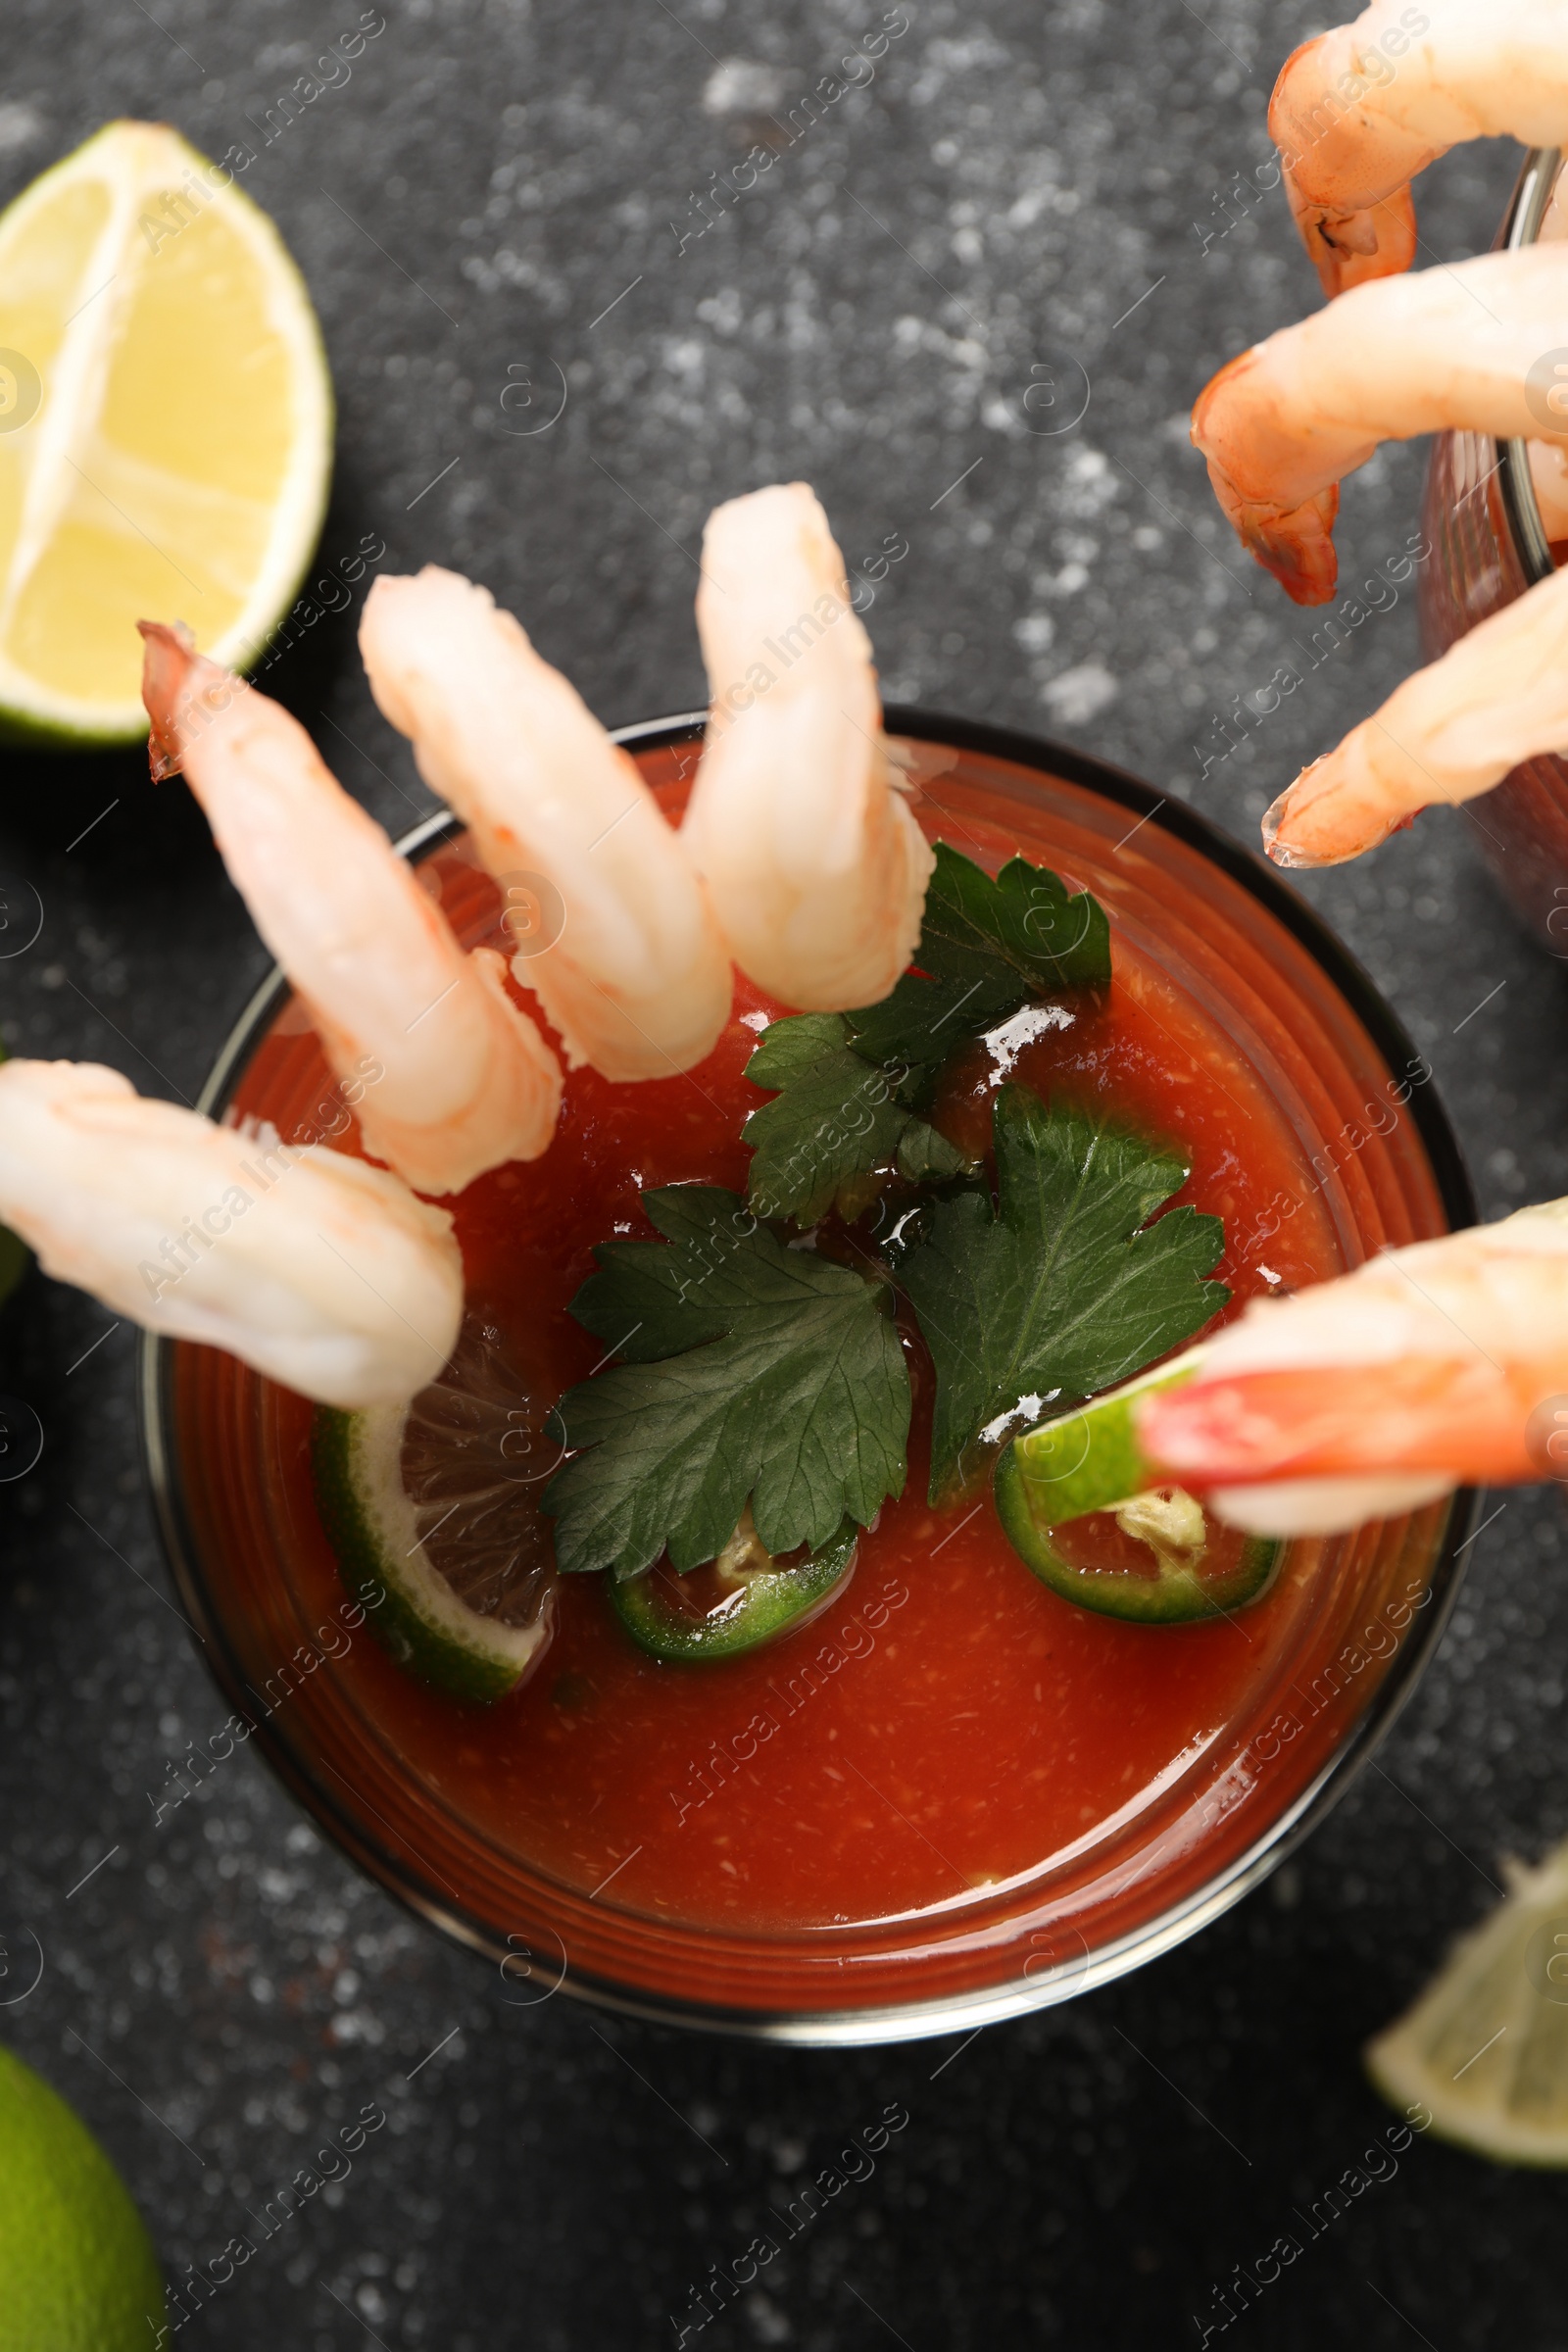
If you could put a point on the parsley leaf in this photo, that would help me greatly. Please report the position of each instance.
(1024, 919)
(985, 948)
(835, 1122)
(791, 1390)
(1065, 1287)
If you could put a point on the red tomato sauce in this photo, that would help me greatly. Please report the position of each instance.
(948, 1724)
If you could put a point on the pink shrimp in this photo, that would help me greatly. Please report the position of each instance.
(1455, 728)
(448, 1078)
(1358, 111)
(815, 867)
(633, 973)
(1428, 1367)
(1281, 425)
(317, 1269)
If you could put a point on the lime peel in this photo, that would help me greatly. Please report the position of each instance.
(374, 1530)
(78, 2270)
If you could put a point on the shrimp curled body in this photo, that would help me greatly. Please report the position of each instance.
(1429, 1365)
(1497, 697)
(632, 973)
(1282, 423)
(315, 1269)
(1358, 111)
(816, 868)
(463, 1081)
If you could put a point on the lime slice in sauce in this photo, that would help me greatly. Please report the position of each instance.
(431, 1508)
(1079, 1502)
(736, 1602)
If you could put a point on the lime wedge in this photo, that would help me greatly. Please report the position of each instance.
(166, 427)
(432, 1510)
(77, 2272)
(1484, 2049)
(737, 1602)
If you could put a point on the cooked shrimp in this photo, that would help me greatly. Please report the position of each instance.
(315, 1269)
(816, 869)
(1453, 730)
(461, 1080)
(1283, 422)
(1428, 1367)
(636, 979)
(1358, 111)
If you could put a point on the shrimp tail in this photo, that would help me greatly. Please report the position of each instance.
(1430, 1365)
(166, 666)
(1337, 809)
(1497, 697)
(1348, 248)
(1348, 169)
(1294, 543)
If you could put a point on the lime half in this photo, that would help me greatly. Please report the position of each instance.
(166, 427)
(1484, 2049)
(77, 2272)
(432, 1510)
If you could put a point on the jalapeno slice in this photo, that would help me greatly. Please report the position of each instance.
(1155, 1558)
(736, 1602)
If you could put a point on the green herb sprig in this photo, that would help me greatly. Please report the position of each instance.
(756, 1371)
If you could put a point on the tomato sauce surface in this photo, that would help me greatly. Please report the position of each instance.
(948, 1725)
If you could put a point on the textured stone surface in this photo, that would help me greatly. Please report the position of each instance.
(487, 203)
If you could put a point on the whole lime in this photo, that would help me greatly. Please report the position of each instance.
(78, 2270)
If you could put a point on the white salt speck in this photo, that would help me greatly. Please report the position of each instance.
(739, 85)
(1006, 1042)
(1078, 694)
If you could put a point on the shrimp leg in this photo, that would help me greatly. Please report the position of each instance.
(1428, 1367)
(816, 869)
(313, 1268)
(636, 978)
(1452, 731)
(1361, 110)
(450, 1078)
(1283, 422)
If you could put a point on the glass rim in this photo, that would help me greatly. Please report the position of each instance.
(957, 2012)
(1526, 209)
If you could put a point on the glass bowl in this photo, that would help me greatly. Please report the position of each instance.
(1482, 523)
(1364, 1611)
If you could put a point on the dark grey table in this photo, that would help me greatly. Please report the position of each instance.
(487, 202)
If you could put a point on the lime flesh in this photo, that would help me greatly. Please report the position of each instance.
(166, 427)
(1485, 2048)
(432, 1509)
